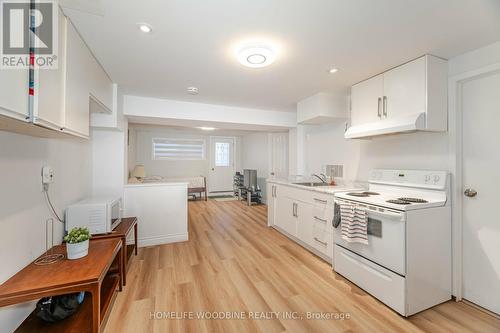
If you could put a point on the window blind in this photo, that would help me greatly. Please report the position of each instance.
(178, 149)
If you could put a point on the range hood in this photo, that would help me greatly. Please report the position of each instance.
(400, 124)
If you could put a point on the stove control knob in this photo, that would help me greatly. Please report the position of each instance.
(436, 179)
(427, 178)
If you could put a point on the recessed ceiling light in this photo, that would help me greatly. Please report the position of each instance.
(256, 55)
(333, 70)
(144, 27)
(192, 90)
(203, 128)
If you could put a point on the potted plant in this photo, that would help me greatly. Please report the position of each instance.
(77, 242)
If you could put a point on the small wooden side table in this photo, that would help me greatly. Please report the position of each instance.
(122, 231)
(89, 274)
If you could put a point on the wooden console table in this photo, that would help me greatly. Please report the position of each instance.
(122, 231)
(91, 274)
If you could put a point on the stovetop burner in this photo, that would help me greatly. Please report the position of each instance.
(358, 194)
(362, 194)
(399, 202)
(416, 200)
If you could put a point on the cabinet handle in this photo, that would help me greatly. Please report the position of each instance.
(319, 200)
(322, 220)
(322, 243)
(378, 107)
(296, 210)
(293, 209)
(385, 106)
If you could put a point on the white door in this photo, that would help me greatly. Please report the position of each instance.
(365, 103)
(481, 162)
(278, 166)
(404, 89)
(222, 169)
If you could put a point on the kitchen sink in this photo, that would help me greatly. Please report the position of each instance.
(312, 184)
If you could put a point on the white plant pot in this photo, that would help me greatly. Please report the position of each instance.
(77, 250)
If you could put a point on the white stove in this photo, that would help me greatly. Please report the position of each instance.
(403, 190)
(407, 261)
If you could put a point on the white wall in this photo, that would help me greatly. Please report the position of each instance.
(23, 210)
(131, 149)
(423, 150)
(109, 172)
(326, 145)
(255, 155)
(158, 109)
(142, 146)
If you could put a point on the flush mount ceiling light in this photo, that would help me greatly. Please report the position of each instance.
(256, 55)
(144, 27)
(333, 70)
(192, 90)
(203, 128)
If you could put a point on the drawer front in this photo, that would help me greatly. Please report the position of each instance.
(383, 284)
(321, 200)
(324, 216)
(322, 240)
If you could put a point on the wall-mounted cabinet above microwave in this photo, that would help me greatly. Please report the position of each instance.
(411, 97)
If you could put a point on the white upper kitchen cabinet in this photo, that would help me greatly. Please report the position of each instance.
(366, 100)
(101, 87)
(404, 89)
(14, 85)
(78, 80)
(48, 109)
(411, 97)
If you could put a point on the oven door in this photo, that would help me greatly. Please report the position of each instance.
(386, 238)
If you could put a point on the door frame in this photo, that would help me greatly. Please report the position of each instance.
(210, 139)
(455, 121)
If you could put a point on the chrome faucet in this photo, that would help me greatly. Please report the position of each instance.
(323, 178)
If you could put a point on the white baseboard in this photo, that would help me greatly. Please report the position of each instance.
(158, 240)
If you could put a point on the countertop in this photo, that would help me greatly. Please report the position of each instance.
(321, 189)
(156, 184)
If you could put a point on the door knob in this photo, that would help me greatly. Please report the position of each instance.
(470, 193)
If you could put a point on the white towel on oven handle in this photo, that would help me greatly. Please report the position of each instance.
(353, 223)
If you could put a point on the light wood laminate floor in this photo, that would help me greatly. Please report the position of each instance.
(234, 263)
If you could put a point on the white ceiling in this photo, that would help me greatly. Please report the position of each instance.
(192, 39)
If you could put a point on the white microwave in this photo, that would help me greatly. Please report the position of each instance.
(100, 214)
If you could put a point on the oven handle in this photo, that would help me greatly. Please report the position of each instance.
(380, 211)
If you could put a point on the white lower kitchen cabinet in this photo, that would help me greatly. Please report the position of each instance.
(271, 203)
(304, 215)
(285, 215)
(304, 225)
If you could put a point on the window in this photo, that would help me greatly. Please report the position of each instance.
(178, 149)
(222, 158)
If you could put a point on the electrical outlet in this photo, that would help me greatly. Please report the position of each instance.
(335, 170)
(47, 175)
